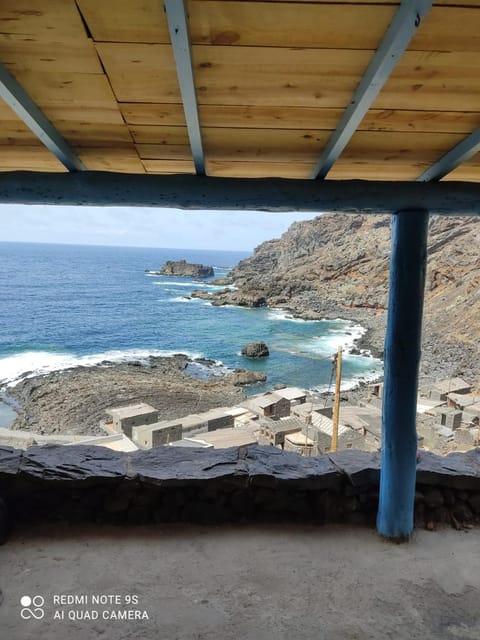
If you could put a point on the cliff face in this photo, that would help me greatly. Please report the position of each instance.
(337, 266)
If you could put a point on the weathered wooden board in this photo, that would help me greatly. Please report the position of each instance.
(449, 29)
(28, 158)
(125, 20)
(140, 72)
(50, 20)
(164, 152)
(83, 134)
(399, 148)
(153, 114)
(27, 53)
(16, 133)
(286, 24)
(79, 95)
(159, 135)
(111, 159)
(218, 168)
(275, 117)
(348, 170)
(433, 81)
(468, 171)
(263, 145)
(169, 166)
(421, 121)
(277, 76)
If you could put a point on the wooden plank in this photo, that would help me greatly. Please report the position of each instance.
(125, 20)
(432, 81)
(153, 114)
(449, 29)
(25, 53)
(80, 134)
(422, 121)
(392, 171)
(171, 167)
(17, 133)
(79, 92)
(274, 117)
(33, 157)
(322, 26)
(140, 72)
(122, 160)
(402, 148)
(277, 76)
(267, 145)
(164, 152)
(50, 20)
(468, 171)
(219, 168)
(159, 135)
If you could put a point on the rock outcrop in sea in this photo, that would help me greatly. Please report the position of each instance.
(185, 269)
(338, 266)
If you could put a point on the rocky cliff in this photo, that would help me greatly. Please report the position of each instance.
(337, 266)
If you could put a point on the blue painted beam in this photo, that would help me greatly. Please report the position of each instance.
(402, 357)
(401, 30)
(105, 188)
(177, 19)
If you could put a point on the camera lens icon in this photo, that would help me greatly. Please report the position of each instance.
(32, 607)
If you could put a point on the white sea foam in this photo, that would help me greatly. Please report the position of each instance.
(34, 363)
(282, 314)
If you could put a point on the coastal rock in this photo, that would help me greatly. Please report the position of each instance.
(185, 269)
(255, 350)
(242, 377)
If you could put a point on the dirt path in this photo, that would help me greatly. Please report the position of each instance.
(249, 583)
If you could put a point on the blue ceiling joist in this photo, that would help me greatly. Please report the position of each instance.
(403, 27)
(178, 27)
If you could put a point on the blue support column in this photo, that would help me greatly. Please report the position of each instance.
(402, 356)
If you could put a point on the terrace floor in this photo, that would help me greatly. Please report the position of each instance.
(249, 583)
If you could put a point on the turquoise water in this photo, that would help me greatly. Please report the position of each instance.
(64, 305)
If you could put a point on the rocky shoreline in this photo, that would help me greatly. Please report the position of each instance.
(74, 400)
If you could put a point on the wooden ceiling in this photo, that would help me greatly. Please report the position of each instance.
(272, 81)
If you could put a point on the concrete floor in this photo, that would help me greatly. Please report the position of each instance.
(248, 583)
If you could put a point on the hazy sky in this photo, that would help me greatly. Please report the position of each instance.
(143, 227)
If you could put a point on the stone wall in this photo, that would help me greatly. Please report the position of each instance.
(254, 483)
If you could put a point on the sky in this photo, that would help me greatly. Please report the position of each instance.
(143, 227)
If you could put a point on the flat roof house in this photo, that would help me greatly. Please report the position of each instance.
(133, 415)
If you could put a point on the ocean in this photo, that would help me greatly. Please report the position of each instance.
(67, 305)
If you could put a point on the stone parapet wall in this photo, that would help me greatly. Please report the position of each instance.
(246, 484)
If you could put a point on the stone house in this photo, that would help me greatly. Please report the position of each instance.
(133, 415)
(294, 395)
(451, 418)
(321, 431)
(275, 431)
(298, 442)
(269, 405)
(441, 389)
(157, 434)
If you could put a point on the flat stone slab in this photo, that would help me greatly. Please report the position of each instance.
(79, 463)
(456, 470)
(10, 459)
(268, 467)
(179, 466)
(360, 467)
